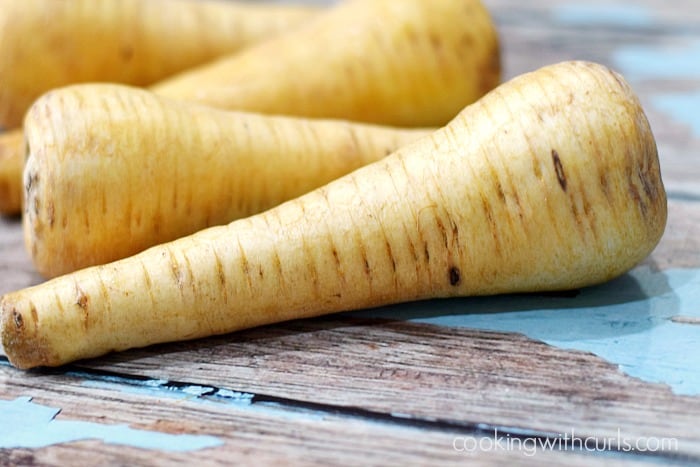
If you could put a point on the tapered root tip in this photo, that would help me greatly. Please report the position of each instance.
(19, 342)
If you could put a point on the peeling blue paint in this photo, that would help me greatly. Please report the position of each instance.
(164, 389)
(236, 397)
(627, 321)
(630, 16)
(30, 425)
(161, 389)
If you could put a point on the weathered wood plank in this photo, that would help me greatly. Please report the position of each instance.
(16, 269)
(258, 433)
(455, 376)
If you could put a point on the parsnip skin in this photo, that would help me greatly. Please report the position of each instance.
(404, 63)
(11, 165)
(112, 170)
(45, 44)
(550, 182)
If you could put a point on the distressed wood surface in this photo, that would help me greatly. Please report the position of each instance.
(270, 430)
(364, 389)
(456, 377)
(262, 433)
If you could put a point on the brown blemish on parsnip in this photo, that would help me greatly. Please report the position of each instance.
(18, 320)
(455, 276)
(559, 169)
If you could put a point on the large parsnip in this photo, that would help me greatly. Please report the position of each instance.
(112, 170)
(550, 182)
(45, 44)
(405, 63)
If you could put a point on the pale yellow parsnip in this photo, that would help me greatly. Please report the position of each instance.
(11, 165)
(406, 63)
(112, 169)
(46, 44)
(550, 182)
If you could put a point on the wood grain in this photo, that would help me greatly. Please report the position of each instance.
(451, 376)
(339, 390)
(265, 434)
(16, 270)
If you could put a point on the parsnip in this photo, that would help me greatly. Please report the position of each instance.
(112, 169)
(551, 181)
(405, 63)
(11, 165)
(45, 44)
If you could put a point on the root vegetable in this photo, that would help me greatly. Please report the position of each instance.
(11, 165)
(112, 170)
(550, 182)
(404, 63)
(45, 44)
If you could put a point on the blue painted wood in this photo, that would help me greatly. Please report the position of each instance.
(34, 426)
(644, 321)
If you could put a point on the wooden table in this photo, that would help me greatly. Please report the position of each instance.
(605, 375)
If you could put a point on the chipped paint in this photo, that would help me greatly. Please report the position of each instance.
(35, 426)
(163, 389)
